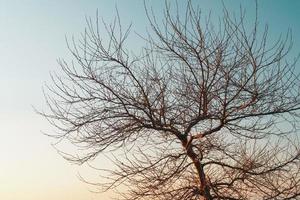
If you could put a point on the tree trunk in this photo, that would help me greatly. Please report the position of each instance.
(204, 186)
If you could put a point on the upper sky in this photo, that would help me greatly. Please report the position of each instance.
(32, 38)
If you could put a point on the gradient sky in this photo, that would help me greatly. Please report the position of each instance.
(32, 38)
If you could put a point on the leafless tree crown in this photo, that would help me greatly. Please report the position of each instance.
(202, 112)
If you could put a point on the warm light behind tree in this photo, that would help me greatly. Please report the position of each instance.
(203, 111)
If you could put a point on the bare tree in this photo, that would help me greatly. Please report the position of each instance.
(203, 112)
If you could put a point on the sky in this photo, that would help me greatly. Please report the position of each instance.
(32, 38)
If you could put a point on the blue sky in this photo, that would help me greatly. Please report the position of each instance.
(32, 38)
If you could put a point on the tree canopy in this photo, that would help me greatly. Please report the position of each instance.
(203, 111)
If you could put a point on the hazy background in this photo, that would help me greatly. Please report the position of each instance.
(32, 38)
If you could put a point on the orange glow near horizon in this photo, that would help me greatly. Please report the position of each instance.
(32, 37)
